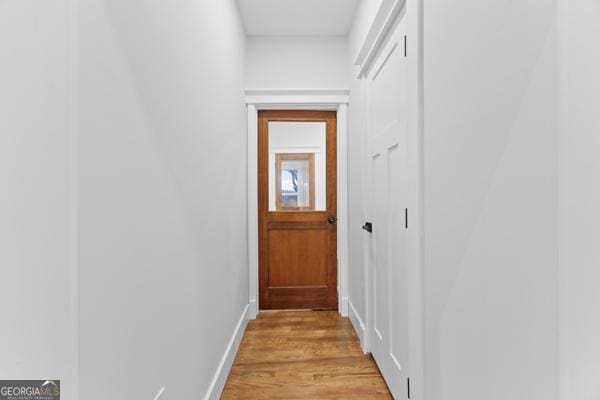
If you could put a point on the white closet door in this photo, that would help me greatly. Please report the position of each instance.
(387, 164)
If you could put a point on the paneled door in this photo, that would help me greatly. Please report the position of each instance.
(297, 203)
(387, 164)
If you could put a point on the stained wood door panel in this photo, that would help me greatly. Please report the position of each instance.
(297, 257)
(298, 225)
(297, 247)
(300, 297)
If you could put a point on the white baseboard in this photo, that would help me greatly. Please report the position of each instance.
(160, 393)
(218, 381)
(359, 326)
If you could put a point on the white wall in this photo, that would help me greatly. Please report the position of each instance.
(362, 23)
(491, 262)
(490, 185)
(579, 149)
(494, 199)
(162, 183)
(36, 243)
(297, 62)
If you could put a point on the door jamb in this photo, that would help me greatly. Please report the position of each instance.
(298, 99)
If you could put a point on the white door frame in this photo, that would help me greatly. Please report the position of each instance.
(298, 99)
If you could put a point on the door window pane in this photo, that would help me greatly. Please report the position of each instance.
(297, 166)
(295, 186)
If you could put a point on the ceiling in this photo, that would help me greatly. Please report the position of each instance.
(297, 17)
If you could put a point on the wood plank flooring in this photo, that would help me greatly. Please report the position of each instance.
(303, 355)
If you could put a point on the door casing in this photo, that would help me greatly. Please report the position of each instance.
(294, 99)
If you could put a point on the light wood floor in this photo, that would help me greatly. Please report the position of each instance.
(303, 355)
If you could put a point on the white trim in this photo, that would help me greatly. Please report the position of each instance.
(252, 309)
(74, 196)
(343, 304)
(342, 207)
(416, 128)
(298, 99)
(252, 210)
(160, 393)
(564, 364)
(359, 327)
(298, 92)
(220, 378)
(384, 21)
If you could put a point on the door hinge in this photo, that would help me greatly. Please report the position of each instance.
(408, 387)
(406, 218)
(405, 46)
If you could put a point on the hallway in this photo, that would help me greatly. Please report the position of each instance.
(303, 355)
(170, 170)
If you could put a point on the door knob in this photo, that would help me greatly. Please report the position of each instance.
(368, 227)
(331, 219)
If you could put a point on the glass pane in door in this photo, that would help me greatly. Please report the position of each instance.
(297, 166)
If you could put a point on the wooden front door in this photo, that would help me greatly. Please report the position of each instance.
(297, 209)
